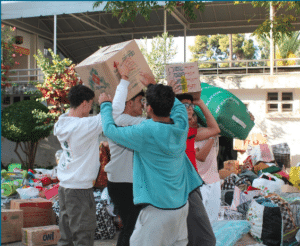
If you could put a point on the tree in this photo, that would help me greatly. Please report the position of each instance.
(282, 24)
(162, 50)
(8, 54)
(286, 47)
(128, 10)
(59, 77)
(25, 123)
(216, 48)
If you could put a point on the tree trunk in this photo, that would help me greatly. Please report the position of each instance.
(16, 151)
(29, 149)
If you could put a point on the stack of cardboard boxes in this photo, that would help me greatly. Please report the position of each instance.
(29, 220)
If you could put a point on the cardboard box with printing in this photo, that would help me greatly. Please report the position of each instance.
(43, 235)
(11, 225)
(36, 212)
(187, 75)
(99, 73)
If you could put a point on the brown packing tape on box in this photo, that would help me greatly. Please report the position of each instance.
(98, 71)
(11, 225)
(36, 212)
(43, 235)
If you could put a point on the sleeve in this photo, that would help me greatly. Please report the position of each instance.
(128, 120)
(179, 114)
(94, 123)
(118, 104)
(131, 137)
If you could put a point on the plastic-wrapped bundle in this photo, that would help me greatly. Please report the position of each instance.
(229, 111)
(228, 232)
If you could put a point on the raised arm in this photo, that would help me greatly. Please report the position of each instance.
(212, 128)
(119, 101)
(202, 153)
(131, 137)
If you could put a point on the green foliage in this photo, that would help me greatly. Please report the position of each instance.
(286, 46)
(282, 24)
(162, 50)
(25, 121)
(128, 10)
(8, 54)
(216, 48)
(59, 77)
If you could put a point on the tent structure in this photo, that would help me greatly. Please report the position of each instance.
(79, 29)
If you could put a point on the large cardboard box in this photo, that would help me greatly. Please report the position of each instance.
(11, 225)
(99, 73)
(43, 235)
(36, 212)
(187, 75)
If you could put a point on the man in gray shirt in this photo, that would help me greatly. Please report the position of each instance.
(119, 169)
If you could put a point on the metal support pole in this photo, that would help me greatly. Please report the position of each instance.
(271, 40)
(165, 51)
(185, 43)
(54, 41)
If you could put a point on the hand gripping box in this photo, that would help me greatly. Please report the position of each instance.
(99, 73)
(11, 225)
(42, 235)
(187, 76)
(36, 212)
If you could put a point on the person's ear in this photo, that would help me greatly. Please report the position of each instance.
(149, 109)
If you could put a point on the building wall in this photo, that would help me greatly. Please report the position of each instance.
(253, 90)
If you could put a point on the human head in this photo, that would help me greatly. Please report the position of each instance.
(187, 99)
(78, 94)
(193, 122)
(161, 99)
(134, 106)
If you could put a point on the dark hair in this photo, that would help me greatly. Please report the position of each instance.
(186, 96)
(141, 93)
(78, 94)
(161, 99)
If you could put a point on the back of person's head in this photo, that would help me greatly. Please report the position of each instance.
(78, 94)
(186, 96)
(161, 99)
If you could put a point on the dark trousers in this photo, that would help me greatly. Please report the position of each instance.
(77, 217)
(200, 232)
(121, 195)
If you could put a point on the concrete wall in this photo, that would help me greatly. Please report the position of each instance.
(45, 156)
(252, 90)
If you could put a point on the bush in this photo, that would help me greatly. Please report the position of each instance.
(25, 122)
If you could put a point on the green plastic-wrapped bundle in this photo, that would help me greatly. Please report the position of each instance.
(230, 112)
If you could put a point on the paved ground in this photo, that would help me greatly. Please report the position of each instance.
(110, 242)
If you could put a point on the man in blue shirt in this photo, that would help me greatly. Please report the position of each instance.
(163, 176)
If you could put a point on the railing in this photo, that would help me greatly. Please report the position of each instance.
(239, 67)
(21, 78)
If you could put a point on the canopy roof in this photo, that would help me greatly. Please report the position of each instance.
(82, 29)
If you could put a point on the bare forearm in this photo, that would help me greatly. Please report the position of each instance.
(210, 120)
(202, 153)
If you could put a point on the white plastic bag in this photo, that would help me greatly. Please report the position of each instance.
(28, 193)
(268, 183)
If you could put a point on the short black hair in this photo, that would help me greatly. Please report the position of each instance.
(186, 96)
(141, 93)
(161, 99)
(78, 94)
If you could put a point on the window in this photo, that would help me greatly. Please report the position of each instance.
(279, 102)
